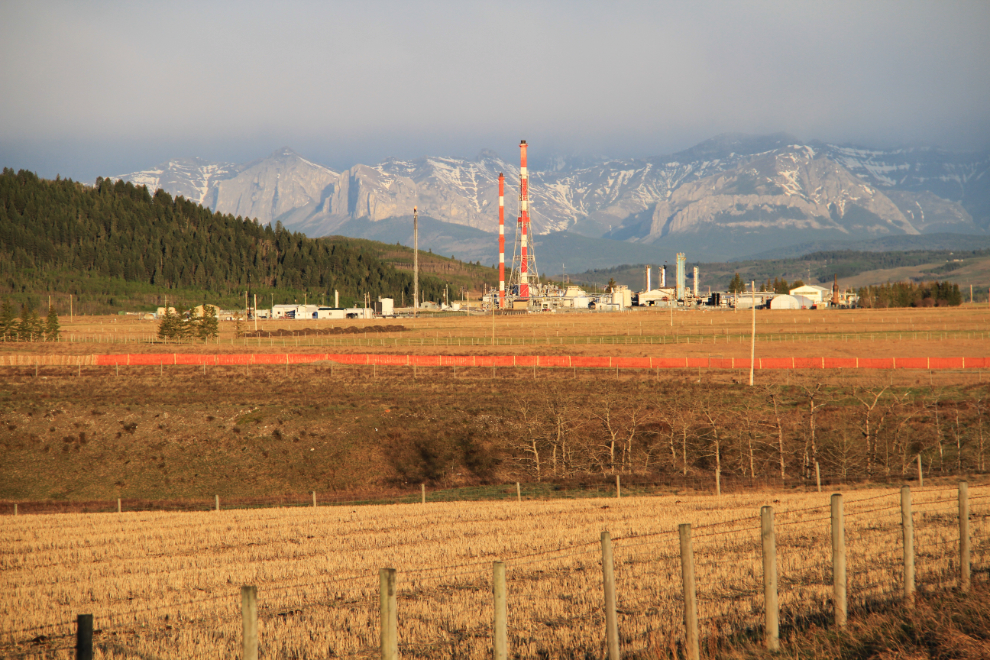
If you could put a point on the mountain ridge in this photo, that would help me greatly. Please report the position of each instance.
(734, 190)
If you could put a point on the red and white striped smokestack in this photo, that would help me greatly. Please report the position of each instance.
(523, 221)
(501, 241)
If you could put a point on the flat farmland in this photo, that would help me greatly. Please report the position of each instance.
(938, 332)
(167, 584)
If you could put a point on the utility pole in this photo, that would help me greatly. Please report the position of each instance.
(256, 312)
(415, 262)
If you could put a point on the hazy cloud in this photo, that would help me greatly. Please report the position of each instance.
(100, 88)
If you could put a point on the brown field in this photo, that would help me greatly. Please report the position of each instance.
(166, 585)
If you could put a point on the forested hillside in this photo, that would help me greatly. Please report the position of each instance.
(115, 245)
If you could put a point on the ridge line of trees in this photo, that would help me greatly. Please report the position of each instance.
(116, 231)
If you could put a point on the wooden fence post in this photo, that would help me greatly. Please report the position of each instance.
(15, 508)
(608, 581)
(118, 505)
(838, 562)
(389, 616)
(217, 499)
(84, 637)
(423, 488)
(818, 477)
(500, 642)
(618, 488)
(921, 476)
(249, 618)
(518, 492)
(964, 563)
(718, 483)
(907, 526)
(770, 578)
(314, 499)
(691, 644)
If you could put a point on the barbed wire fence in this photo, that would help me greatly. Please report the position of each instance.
(660, 594)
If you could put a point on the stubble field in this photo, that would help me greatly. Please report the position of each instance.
(167, 584)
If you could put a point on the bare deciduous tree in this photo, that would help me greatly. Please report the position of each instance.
(870, 398)
(817, 399)
(774, 394)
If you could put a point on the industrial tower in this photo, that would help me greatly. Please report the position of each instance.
(524, 273)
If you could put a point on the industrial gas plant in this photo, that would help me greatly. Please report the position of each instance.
(522, 291)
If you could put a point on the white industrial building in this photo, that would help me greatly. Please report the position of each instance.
(747, 299)
(656, 298)
(818, 294)
(385, 307)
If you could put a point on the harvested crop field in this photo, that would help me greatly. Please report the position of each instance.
(168, 584)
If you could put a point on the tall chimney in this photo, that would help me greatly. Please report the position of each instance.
(648, 288)
(523, 222)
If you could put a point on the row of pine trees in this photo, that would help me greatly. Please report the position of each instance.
(27, 325)
(910, 294)
(179, 324)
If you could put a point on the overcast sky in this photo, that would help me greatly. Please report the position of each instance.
(90, 88)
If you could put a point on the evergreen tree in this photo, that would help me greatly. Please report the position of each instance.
(736, 285)
(168, 325)
(51, 325)
(30, 328)
(208, 327)
(8, 318)
(184, 326)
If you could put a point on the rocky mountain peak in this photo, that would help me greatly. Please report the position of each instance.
(729, 186)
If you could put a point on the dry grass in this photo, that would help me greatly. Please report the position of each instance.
(941, 332)
(167, 584)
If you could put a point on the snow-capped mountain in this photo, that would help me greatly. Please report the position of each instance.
(735, 185)
(193, 178)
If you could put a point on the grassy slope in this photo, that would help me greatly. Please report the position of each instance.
(263, 431)
(943, 625)
(459, 274)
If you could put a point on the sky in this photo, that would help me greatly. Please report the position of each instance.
(103, 88)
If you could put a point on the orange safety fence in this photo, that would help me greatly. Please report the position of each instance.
(542, 361)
